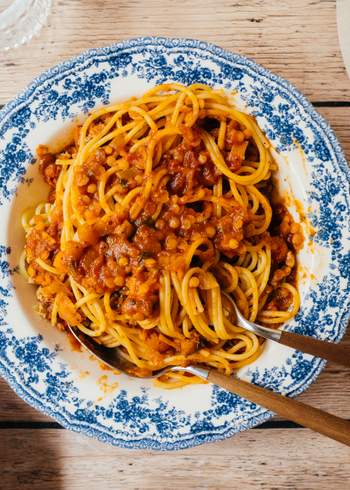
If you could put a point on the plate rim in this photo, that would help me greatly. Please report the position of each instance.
(310, 110)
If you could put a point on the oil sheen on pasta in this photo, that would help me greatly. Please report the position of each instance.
(160, 208)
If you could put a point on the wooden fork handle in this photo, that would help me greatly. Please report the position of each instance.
(313, 418)
(330, 351)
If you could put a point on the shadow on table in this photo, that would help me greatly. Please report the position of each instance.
(30, 459)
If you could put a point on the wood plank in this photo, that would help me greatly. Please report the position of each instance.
(331, 392)
(270, 459)
(296, 39)
(324, 393)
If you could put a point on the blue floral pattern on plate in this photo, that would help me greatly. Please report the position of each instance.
(39, 364)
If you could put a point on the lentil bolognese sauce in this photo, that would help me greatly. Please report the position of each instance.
(160, 208)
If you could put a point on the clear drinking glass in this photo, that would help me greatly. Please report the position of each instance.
(20, 20)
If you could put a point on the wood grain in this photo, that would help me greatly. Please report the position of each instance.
(264, 459)
(338, 353)
(331, 393)
(296, 39)
(315, 419)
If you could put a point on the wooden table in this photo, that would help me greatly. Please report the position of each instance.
(296, 39)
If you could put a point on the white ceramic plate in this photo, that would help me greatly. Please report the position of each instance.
(38, 361)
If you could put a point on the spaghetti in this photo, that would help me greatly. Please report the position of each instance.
(159, 209)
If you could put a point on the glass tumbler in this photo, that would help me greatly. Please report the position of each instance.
(20, 20)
